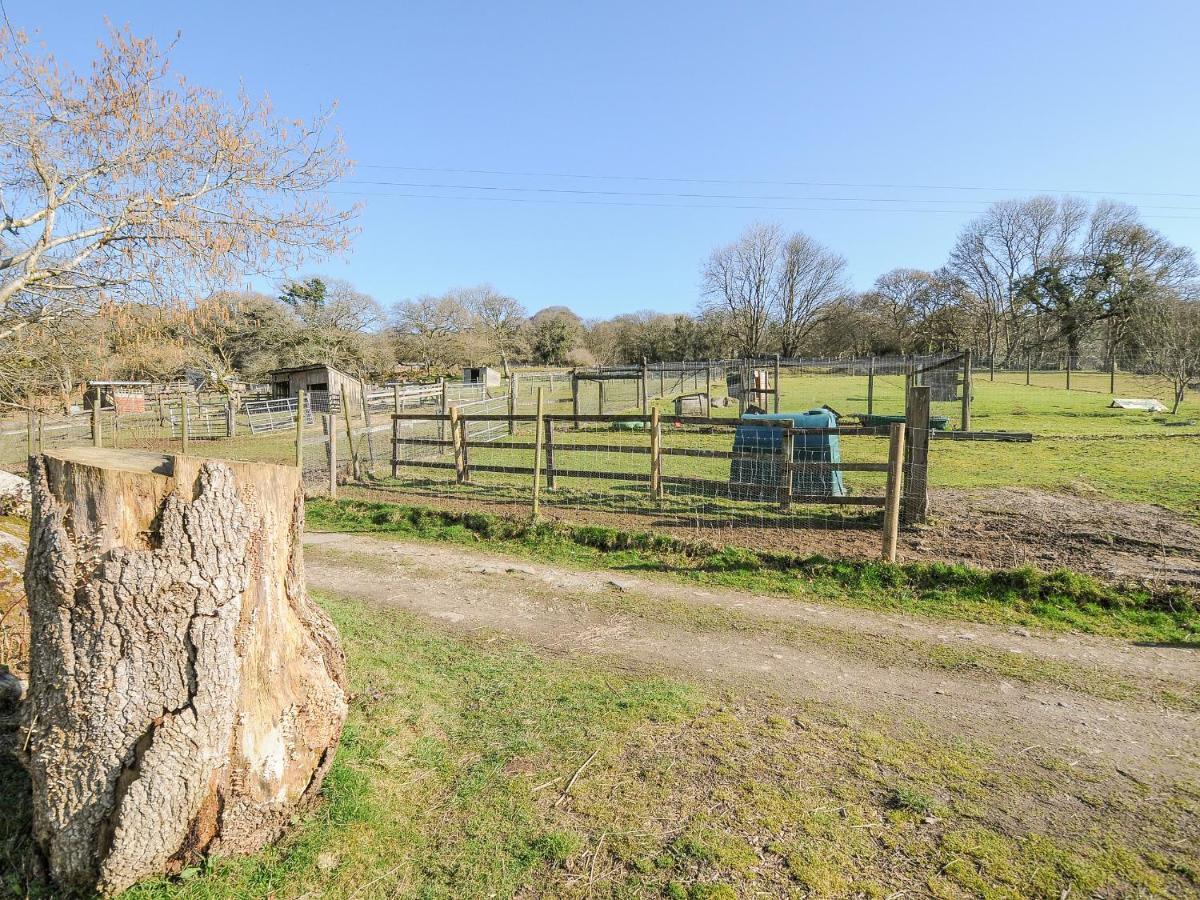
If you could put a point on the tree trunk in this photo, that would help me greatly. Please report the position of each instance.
(185, 696)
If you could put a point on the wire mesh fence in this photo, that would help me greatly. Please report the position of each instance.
(1098, 490)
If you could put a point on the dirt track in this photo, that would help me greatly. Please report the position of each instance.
(885, 664)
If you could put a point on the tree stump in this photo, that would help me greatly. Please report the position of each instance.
(185, 696)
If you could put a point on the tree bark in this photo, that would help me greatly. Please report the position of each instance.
(185, 696)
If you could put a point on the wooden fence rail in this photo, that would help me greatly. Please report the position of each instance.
(547, 463)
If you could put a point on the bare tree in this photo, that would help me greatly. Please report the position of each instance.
(1170, 326)
(811, 277)
(741, 280)
(342, 307)
(431, 327)
(1117, 265)
(499, 319)
(1009, 242)
(127, 177)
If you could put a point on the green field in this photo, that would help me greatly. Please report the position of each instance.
(454, 778)
(1080, 446)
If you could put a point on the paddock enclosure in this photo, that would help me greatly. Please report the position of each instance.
(1000, 466)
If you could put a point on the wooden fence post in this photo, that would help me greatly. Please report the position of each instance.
(230, 418)
(442, 409)
(301, 396)
(551, 473)
(965, 424)
(395, 444)
(331, 453)
(776, 382)
(537, 454)
(708, 390)
(97, 435)
(1112, 372)
(30, 425)
(456, 442)
(512, 402)
(347, 414)
(366, 408)
(787, 452)
(871, 385)
(466, 449)
(645, 390)
(916, 480)
(662, 384)
(575, 398)
(600, 390)
(895, 487)
(183, 423)
(655, 454)
(41, 437)
(1028, 368)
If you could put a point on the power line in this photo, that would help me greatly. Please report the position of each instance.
(766, 182)
(633, 203)
(672, 194)
(682, 195)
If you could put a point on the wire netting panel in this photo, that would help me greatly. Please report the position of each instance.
(278, 414)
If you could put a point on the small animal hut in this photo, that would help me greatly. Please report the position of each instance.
(484, 375)
(691, 405)
(123, 396)
(758, 445)
(943, 383)
(318, 379)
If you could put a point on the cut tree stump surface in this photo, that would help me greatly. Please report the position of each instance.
(185, 696)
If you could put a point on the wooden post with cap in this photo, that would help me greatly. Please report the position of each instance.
(895, 488)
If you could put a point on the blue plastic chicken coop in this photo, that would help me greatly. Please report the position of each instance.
(757, 449)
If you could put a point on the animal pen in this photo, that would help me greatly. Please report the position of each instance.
(689, 473)
(608, 448)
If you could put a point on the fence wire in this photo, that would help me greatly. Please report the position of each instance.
(1044, 476)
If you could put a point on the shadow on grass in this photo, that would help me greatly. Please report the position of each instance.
(21, 869)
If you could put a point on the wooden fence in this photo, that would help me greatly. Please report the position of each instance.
(544, 470)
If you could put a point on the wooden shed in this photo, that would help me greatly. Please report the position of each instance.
(123, 396)
(316, 378)
(484, 375)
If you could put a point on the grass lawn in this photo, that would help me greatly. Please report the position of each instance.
(456, 777)
(1081, 446)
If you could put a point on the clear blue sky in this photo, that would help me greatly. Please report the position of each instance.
(1010, 97)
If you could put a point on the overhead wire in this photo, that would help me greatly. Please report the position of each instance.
(776, 183)
(730, 206)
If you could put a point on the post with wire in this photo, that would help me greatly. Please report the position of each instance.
(537, 454)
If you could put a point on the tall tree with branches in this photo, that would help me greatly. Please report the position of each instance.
(126, 180)
(741, 282)
(811, 277)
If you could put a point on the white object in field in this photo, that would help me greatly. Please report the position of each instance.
(1138, 403)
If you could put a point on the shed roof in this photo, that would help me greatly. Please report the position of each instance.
(306, 368)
